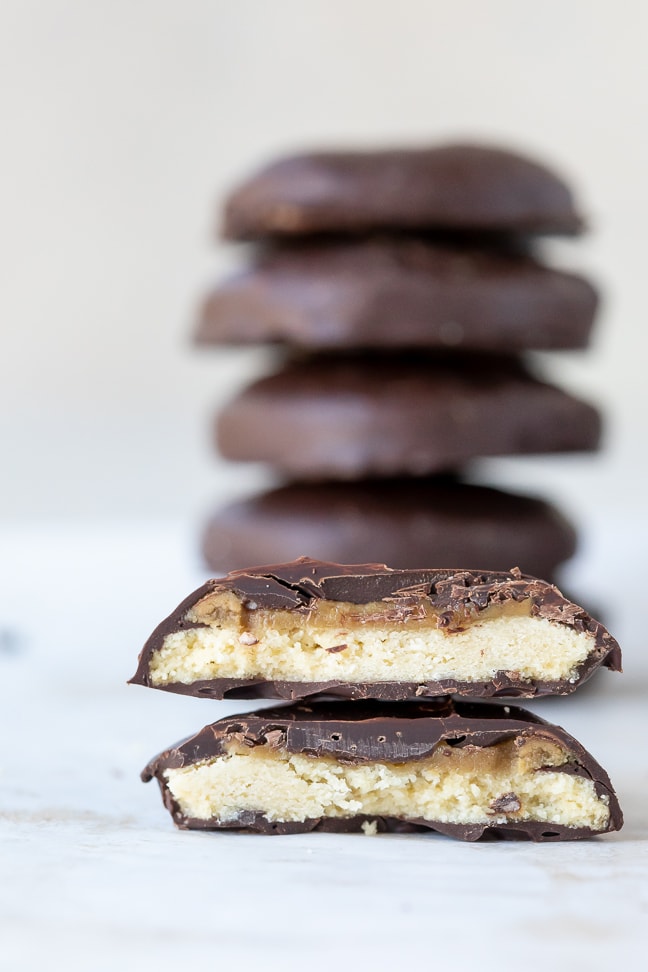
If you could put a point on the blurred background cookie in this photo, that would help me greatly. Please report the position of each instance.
(334, 416)
(404, 522)
(400, 292)
(458, 186)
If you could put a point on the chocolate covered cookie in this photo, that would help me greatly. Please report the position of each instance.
(399, 292)
(351, 417)
(403, 522)
(465, 770)
(307, 627)
(454, 187)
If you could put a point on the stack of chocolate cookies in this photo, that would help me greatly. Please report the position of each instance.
(401, 291)
(371, 739)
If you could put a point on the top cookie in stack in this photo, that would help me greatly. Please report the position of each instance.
(452, 187)
(403, 287)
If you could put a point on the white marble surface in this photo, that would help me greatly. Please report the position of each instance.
(95, 877)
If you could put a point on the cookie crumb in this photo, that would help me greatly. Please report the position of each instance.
(370, 828)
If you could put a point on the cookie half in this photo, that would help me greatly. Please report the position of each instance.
(465, 770)
(456, 187)
(336, 417)
(294, 630)
(404, 522)
(399, 293)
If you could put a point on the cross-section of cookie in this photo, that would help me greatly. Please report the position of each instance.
(295, 630)
(468, 770)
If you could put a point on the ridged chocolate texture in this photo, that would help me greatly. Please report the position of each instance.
(399, 293)
(405, 522)
(336, 417)
(457, 187)
(455, 595)
(394, 733)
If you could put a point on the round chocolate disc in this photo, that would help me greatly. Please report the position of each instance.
(337, 417)
(402, 522)
(456, 187)
(399, 292)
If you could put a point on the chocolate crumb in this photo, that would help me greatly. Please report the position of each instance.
(508, 803)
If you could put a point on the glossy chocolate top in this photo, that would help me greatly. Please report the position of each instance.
(362, 731)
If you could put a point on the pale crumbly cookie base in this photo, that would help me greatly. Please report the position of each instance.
(471, 785)
(351, 645)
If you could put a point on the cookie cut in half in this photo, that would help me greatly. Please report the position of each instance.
(295, 630)
(467, 770)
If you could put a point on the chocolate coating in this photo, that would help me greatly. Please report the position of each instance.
(399, 293)
(359, 733)
(458, 187)
(404, 522)
(456, 595)
(335, 417)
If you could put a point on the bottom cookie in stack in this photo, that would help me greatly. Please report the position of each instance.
(466, 770)
(405, 522)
